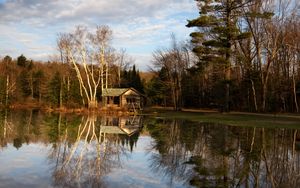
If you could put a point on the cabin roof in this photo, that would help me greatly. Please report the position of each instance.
(112, 130)
(118, 130)
(113, 92)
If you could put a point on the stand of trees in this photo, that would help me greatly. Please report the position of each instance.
(245, 56)
(52, 84)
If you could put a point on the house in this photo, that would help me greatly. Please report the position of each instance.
(122, 98)
(122, 125)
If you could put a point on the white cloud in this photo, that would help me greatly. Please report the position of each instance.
(139, 26)
(116, 11)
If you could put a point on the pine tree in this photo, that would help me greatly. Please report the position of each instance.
(24, 83)
(54, 89)
(218, 31)
(38, 82)
(132, 78)
(21, 61)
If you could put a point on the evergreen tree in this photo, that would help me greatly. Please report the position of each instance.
(73, 93)
(7, 59)
(132, 78)
(24, 83)
(158, 88)
(136, 81)
(22, 61)
(54, 89)
(38, 83)
(218, 31)
(2, 90)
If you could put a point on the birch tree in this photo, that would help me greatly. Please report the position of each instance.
(10, 83)
(86, 53)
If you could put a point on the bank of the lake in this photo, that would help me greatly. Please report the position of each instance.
(271, 120)
(275, 120)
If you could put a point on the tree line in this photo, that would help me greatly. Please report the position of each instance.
(55, 84)
(243, 55)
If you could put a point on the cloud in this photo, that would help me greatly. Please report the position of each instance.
(139, 26)
(117, 11)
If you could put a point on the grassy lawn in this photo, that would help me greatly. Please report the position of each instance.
(232, 118)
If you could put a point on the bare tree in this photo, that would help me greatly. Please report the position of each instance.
(10, 85)
(123, 63)
(87, 53)
(174, 61)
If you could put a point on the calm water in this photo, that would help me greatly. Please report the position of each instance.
(55, 150)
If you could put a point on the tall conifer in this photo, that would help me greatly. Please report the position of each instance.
(217, 32)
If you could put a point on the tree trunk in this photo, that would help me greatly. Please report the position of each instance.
(294, 92)
(228, 63)
(68, 89)
(227, 88)
(61, 94)
(6, 92)
(106, 76)
(81, 93)
(265, 80)
(93, 104)
(264, 93)
(254, 95)
(31, 85)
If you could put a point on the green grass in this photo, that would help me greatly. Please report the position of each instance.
(233, 118)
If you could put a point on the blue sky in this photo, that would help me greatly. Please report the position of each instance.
(30, 27)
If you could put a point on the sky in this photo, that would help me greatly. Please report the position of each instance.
(30, 27)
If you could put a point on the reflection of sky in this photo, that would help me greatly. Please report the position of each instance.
(25, 167)
(29, 167)
(136, 171)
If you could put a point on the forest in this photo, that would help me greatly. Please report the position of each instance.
(243, 55)
(26, 83)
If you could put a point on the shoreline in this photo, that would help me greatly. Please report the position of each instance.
(151, 110)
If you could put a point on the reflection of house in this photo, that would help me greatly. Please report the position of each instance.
(122, 125)
(123, 98)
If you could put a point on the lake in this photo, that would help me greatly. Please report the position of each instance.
(57, 150)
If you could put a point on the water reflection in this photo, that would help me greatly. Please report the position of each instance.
(172, 151)
(224, 156)
(96, 147)
(84, 149)
(20, 128)
(93, 151)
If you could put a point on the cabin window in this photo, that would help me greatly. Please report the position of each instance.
(117, 100)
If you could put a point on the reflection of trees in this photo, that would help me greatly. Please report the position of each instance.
(223, 156)
(19, 128)
(84, 149)
(6, 129)
(172, 151)
(84, 155)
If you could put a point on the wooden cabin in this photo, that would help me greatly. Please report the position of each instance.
(128, 125)
(122, 98)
